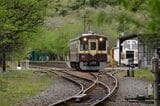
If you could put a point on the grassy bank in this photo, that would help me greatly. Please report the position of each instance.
(144, 73)
(15, 85)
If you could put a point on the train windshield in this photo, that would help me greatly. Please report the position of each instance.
(84, 46)
(102, 45)
(93, 45)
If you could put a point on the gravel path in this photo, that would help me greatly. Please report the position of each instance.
(60, 89)
(129, 87)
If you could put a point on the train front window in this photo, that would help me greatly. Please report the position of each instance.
(84, 46)
(102, 45)
(93, 45)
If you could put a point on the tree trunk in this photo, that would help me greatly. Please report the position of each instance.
(4, 62)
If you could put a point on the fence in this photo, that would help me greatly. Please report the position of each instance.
(147, 47)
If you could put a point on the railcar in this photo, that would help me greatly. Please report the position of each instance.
(88, 52)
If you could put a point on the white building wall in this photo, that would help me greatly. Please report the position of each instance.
(129, 45)
(116, 55)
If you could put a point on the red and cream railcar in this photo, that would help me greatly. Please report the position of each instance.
(88, 52)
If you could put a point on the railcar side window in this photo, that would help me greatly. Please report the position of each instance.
(93, 45)
(84, 46)
(102, 45)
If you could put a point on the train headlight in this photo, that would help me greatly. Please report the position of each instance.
(84, 39)
(100, 39)
(83, 56)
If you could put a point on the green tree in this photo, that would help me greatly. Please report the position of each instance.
(19, 19)
(56, 41)
(154, 13)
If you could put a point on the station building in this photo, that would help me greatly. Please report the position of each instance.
(138, 47)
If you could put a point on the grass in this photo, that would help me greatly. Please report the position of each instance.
(15, 86)
(144, 73)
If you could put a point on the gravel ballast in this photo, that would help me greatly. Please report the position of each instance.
(129, 87)
(60, 89)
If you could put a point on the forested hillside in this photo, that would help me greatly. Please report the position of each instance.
(49, 25)
(65, 20)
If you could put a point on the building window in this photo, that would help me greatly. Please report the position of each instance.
(134, 45)
(126, 45)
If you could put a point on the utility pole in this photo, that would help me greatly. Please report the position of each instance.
(84, 23)
(84, 17)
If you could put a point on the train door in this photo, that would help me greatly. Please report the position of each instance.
(93, 45)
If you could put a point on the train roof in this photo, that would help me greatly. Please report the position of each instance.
(86, 34)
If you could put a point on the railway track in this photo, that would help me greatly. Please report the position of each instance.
(96, 87)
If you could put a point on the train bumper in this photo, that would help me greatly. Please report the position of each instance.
(92, 65)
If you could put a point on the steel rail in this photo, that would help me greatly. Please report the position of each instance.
(87, 90)
(110, 92)
(93, 84)
(82, 92)
(106, 87)
(66, 78)
(69, 98)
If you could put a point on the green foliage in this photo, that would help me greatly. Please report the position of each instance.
(19, 19)
(102, 3)
(101, 18)
(56, 41)
(154, 24)
(93, 3)
(16, 86)
(145, 73)
(3, 86)
(63, 7)
(150, 12)
(108, 17)
(133, 5)
(58, 6)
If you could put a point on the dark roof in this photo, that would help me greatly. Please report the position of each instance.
(129, 36)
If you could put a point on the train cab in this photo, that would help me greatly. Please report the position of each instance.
(90, 52)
